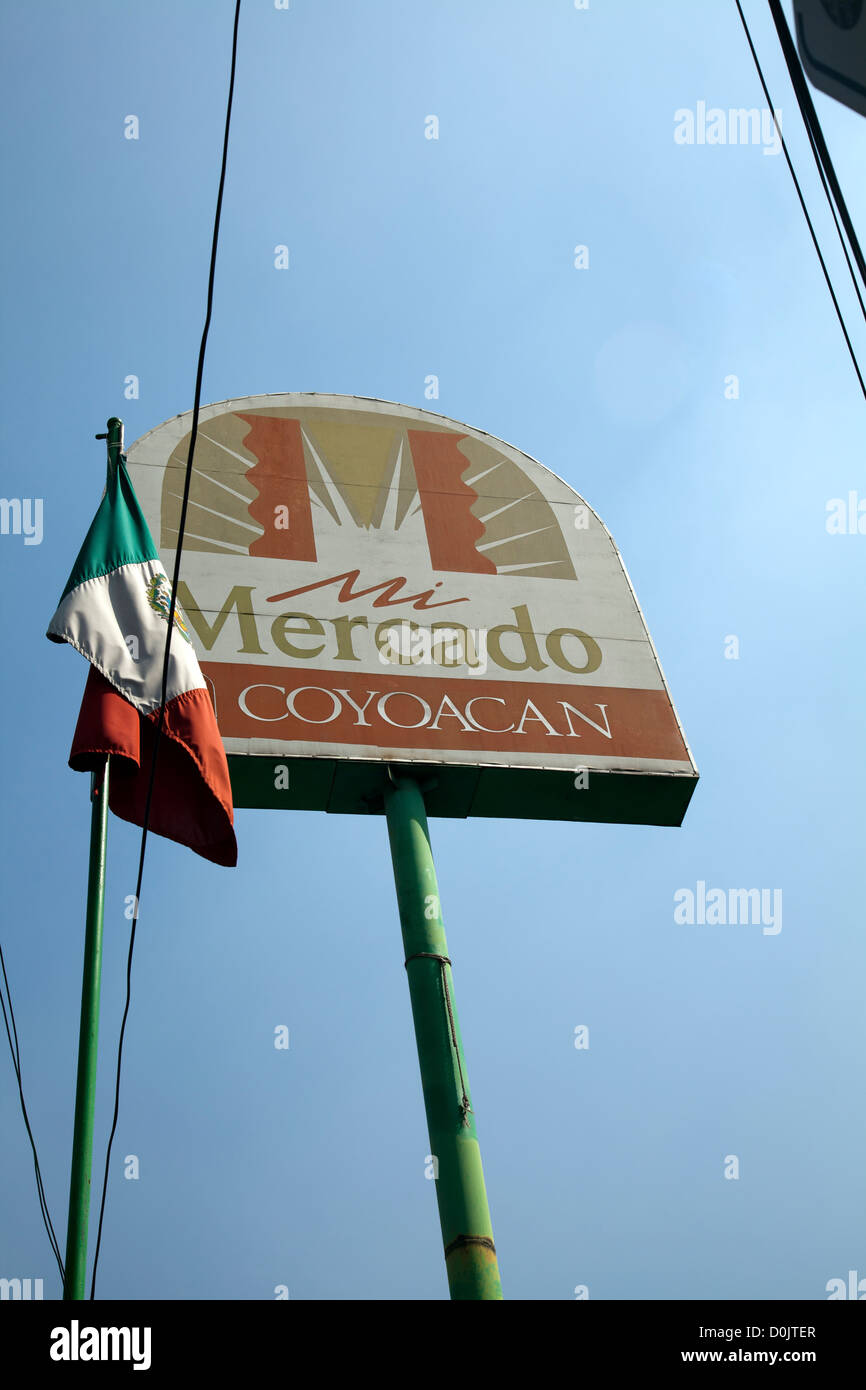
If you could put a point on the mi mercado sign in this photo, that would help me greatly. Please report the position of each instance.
(370, 584)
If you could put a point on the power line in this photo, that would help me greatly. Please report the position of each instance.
(171, 613)
(813, 125)
(16, 1063)
(802, 202)
(832, 208)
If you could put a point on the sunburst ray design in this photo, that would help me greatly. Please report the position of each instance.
(361, 480)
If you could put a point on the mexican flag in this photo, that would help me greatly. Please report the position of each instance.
(114, 610)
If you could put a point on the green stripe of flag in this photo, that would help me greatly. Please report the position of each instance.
(119, 534)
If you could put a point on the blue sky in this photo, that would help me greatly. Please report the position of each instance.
(408, 256)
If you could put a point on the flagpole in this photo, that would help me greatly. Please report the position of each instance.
(85, 1090)
(467, 1233)
(88, 1033)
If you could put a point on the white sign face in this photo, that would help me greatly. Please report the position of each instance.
(364, 580)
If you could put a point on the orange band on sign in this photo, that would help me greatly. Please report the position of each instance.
(397, 710)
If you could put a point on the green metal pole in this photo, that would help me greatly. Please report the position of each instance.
(88, 1035)
(88, 1031)
(467, 1234)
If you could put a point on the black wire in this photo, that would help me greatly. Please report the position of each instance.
(823, 162)
(16, 1063)
(802, 203)
(810, 117)
(172, 606)
(831, 205)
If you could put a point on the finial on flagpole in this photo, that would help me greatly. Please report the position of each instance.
(114, 436)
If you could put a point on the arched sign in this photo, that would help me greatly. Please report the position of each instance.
(366, 583)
